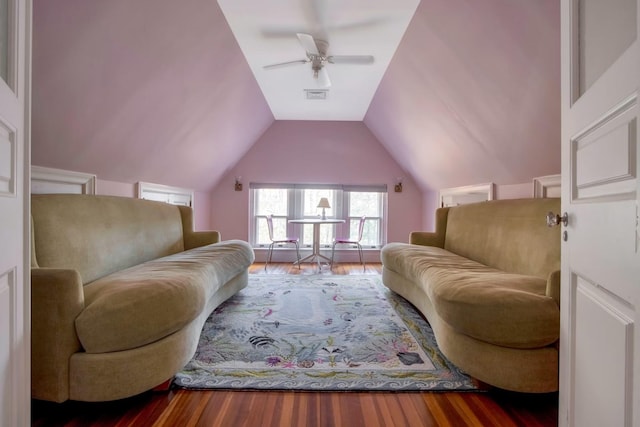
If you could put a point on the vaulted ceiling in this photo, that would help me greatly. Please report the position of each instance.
(160, 91)
(273, 34)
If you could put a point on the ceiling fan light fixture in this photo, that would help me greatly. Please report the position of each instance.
(317, 54)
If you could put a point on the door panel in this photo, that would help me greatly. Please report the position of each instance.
(600, 292)
(603, 156)
(601, 322)
(14, 294)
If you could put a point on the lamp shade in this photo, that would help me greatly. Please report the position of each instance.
(324, 203)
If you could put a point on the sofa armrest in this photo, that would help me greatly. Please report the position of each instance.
(57, 298)
(195, 239)
(436, 238)
(553, 286)
(425, 238)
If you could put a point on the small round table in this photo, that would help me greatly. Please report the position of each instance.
(317, 222)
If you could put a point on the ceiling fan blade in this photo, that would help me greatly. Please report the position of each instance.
(323, 78)
(308, 43)
(350, 59)
(281, 32)
(285, 64)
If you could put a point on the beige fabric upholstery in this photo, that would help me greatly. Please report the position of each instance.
(147, 302)
(99, 377)
(500, 308)
(488, 282)
(98, 235)
(136, 320)
(510, 235)
(195, 239)
(56, 300)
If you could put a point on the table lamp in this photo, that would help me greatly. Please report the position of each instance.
(324, 204)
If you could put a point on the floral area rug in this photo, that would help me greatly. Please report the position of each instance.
(315, 332)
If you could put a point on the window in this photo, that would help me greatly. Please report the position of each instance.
(289, 201)
(164, 193)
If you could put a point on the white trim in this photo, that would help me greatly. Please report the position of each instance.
(165, 193)
(50, 180)
(478, 192)
(546, 186)
(24, 394)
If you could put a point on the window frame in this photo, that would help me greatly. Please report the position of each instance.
(340, 203)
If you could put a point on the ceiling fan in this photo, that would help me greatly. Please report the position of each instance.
(317, 55)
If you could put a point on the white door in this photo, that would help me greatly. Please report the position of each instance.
(600, 295)
(15, 388)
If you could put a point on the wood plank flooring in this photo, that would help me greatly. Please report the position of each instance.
(265, 408)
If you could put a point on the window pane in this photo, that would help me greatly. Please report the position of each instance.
(312, 197)
(606, 30)
(262, 231)
(327, 232)
(364, 204)
(370, 233)
(307, 235)
(271, 201)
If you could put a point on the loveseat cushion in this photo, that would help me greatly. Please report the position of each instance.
(150, 301)
(510, 235)
(100, 235)
(487, 304)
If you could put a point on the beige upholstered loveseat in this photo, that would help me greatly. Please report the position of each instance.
(121, 288)
(488, 282)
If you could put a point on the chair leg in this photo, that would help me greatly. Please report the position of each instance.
(268, 256)
(298, 254)
(333, 252)
(364, 268)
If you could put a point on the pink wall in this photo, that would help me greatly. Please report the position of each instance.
(316, 152)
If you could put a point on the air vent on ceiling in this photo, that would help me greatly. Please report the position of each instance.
(316, 93)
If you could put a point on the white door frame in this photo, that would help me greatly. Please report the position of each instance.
(15, 224)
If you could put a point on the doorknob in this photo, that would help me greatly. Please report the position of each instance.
(555, 219)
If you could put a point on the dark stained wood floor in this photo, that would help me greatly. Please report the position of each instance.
(266, 408)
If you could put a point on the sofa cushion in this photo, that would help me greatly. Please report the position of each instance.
(500, 308)
(99, 235)
(510, 235)
(150, 301)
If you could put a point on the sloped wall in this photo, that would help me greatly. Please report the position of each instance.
(473, 93)
(145, 90)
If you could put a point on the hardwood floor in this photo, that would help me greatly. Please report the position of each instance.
(350, 409)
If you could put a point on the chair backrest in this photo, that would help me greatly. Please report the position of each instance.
(269, 219)
(361, 227)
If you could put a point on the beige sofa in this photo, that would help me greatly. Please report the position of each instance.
(121, 288)
(488, 282)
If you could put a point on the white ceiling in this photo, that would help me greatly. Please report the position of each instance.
(266, 32)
